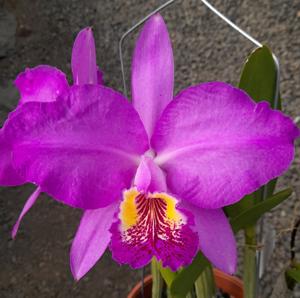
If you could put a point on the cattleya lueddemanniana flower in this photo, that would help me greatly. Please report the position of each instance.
(153, 174)
(46, 84)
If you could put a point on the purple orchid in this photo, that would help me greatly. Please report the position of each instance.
(152, 175)
(48, 84)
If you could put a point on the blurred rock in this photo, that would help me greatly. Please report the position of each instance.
(8, 27)
(9, 96)
(23, 30)
(280, 288)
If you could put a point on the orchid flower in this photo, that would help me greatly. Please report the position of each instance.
(154, 174)
(48, 84)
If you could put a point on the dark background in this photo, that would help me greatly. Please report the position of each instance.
(36, 32)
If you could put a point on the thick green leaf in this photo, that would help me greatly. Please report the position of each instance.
(157, 281)
(258, 77)
(167, 274)
(205, 283)
(294, 274)
(250, 262)
(251, 215)
(185, 279)
(296, 265)
(236, 209)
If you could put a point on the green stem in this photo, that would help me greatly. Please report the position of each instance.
(169, 293)
(157, 280)
(205, 284)
(249, 276)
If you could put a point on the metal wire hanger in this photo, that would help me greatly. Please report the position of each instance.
(217, 13)
(240, 31)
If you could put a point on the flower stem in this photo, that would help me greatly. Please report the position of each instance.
(157, 280)
(249, 276)
(205, 284)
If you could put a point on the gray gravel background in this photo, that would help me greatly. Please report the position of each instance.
(36, 264)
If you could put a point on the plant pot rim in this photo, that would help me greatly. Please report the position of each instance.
(229, 284)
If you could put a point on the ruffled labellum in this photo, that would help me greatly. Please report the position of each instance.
(151, 224)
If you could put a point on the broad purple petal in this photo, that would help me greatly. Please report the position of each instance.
(29, 203)
(84, 66)
(42, 83)
(152, 72)
(83, 151)
(8, 174)
(216, 239)
(91, 240)
(217, 145)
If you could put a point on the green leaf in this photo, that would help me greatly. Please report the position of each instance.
(167, 274)
(296, 265)
(185, 279)
(258, 77)
(251, 215)
(236, 209)
(205, 283)
(294, 274)
(157, 281)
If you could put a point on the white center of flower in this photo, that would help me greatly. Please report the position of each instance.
(150, 153)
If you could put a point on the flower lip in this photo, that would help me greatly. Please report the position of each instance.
(151, 224)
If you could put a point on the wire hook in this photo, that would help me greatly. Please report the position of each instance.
(216, 12)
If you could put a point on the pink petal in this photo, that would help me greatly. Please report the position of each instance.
(42, 83)
(29, 203)
(216, 239)
(91, 240)
(84, 66)
(8, 174)
(217, 145)
(152, 72)
(83, 151)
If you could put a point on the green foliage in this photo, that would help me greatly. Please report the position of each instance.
(205, 283)
(292, 277)
(250, 216)
(157, 281)
(294, 273)
(167, 274)
(185, 279)
(258, 77)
